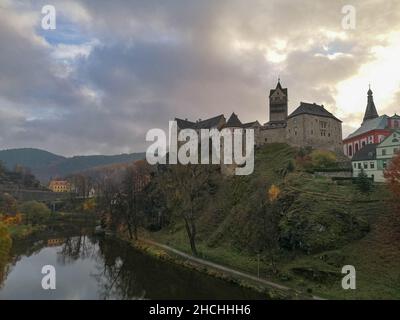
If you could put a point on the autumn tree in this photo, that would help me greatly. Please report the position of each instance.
(135, 180)
(184, 185)
(392, 176)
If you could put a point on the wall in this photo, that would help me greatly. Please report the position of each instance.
(318, 132)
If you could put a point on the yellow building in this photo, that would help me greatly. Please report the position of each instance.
(60, 186)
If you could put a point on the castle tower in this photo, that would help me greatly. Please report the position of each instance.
(370, 111)
(278, 104)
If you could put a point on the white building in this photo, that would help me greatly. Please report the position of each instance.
(375, 158)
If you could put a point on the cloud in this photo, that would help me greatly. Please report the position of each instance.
(114, 69)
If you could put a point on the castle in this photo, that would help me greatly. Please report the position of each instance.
(310, 125)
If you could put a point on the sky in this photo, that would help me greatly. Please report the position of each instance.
(112, 70)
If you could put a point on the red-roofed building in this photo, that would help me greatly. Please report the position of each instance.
(374, 129)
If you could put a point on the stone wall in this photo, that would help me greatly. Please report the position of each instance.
(314, 131)
(264, 136)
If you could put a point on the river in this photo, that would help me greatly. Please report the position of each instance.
(90, 267)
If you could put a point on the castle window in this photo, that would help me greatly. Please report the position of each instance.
(384, 152)
(372, 165)
(359, 165)
(365, 165)
(355, 165)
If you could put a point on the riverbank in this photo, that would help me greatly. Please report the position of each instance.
(272, 290)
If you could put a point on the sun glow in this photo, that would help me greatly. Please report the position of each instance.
(383, 75)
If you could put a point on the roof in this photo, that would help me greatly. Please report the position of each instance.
(313, 109)
(204, 124)
(369, 125)
(370, 111)
(251, 124)
(233, 121)
(396, 116)
(392, 136)
(368, 152)
(185, 124)
(278, 86)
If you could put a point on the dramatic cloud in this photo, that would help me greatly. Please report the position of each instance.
(114, 69)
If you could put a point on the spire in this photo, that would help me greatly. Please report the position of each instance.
(279, 84)
(370, 111)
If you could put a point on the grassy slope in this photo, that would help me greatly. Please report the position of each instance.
(376, 256)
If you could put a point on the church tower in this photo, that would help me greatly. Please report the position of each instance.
(370, 111)
(278, 104)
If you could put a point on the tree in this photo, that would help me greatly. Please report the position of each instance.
(8, 204)
(271, 224)
(34, 212)
(135, 180)
(5, 246)
(392, 176)
(364, 184)
(184, 185)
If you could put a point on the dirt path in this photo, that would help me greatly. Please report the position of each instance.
(223, 268)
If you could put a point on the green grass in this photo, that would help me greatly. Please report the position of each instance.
(227, 226)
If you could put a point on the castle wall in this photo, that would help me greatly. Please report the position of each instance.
(264, 136)
(315, 131)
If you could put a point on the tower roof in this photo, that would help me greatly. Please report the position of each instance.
(278, 86)
(233, 121)
(370, 111)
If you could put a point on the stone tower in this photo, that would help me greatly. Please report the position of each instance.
(278, 104)
(370, 111)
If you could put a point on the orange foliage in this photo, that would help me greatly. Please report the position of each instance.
(273, 193)
(9, 220)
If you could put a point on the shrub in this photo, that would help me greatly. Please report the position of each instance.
(323, 159)
(34, 212)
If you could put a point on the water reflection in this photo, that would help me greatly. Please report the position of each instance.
(95, 268)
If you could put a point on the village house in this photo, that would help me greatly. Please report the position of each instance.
(60, 186)
(374, 158)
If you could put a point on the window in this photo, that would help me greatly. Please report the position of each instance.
(384, 164)
(350, 151)
(355, 165)
(359, 165)
(384, 152)
(372, 165)
(365, 165)
(395, 150)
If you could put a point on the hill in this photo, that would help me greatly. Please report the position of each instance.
(304, 238)
(44, 164)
